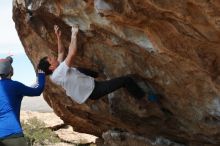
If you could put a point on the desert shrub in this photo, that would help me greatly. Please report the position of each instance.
(36, 132)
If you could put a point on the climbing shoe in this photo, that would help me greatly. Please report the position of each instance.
(152, 96)
(148, 89)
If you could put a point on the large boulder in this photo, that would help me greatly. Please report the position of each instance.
(171, 44)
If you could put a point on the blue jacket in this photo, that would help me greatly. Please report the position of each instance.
(11, 95)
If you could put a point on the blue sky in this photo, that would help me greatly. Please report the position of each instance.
(11, 45)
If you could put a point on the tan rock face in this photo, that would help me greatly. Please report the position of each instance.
(173, 44)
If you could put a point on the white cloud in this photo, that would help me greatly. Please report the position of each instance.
(8, 51)
(9, 41)
(10, 45)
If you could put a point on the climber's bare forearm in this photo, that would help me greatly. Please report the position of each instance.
(60, 47)
(61, 50)
(72, 52)
(72, 47)
(70, 59)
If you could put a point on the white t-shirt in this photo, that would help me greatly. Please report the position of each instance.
(77, 85)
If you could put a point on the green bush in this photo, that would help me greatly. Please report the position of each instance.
(36, 132)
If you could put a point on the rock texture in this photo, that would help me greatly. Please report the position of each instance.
(173, 44)
(117, 138)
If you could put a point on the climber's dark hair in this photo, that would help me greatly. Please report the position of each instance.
(44, 66)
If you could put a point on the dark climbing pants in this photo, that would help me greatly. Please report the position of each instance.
(13, 141)
(103, 88)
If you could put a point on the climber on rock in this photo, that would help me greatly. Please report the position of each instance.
(79, 84)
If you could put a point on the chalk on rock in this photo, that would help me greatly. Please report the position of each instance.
(101, 5)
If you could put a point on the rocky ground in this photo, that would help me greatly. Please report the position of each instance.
(65, 133)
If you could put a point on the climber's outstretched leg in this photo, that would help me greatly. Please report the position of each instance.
(103, 88)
